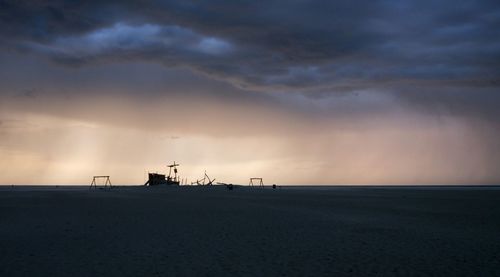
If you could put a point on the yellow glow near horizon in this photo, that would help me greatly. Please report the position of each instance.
(50, 150)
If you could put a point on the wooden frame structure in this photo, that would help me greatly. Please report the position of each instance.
(259, 180)
(107, 183)
(202, 182)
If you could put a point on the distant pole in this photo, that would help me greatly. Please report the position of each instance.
(92, 183)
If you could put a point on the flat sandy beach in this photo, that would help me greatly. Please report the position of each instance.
(211, 231)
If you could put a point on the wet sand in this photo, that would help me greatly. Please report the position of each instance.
(199, 231)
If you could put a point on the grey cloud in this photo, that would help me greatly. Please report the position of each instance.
(275, 45)
(354, 85)
(480, 102)
(30, 93)
(314, 47)
(169, 44)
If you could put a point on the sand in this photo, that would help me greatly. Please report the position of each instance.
(199, 231)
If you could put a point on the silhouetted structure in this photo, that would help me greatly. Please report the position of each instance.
(228, 186)
(259, 180)
(155, 179)
(107, 183)
(206, 181)
(174, 167)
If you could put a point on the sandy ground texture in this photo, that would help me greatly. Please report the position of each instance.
(201, 231)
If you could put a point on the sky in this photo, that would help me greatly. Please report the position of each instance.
(296, 92)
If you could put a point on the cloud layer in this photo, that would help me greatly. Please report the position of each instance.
(325, 88)
(303, 45)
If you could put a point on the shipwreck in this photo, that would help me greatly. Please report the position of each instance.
(156, 179)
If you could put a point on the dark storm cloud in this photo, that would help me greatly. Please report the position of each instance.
(309, 46)
(478, 103)
(359, 90)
